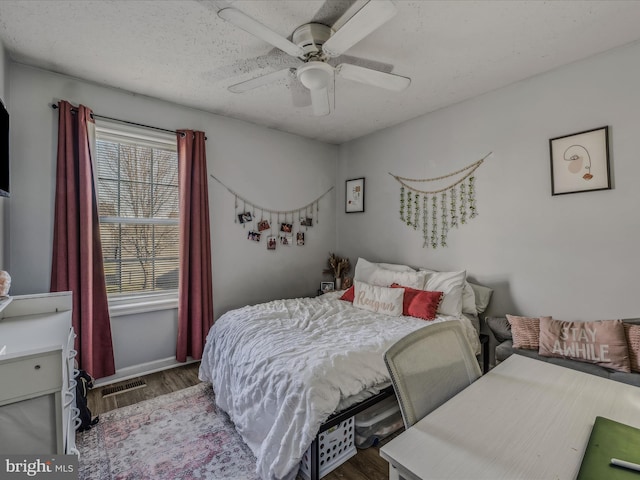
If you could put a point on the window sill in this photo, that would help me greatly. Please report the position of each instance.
(120, 306)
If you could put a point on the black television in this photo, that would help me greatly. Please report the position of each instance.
(4, 150)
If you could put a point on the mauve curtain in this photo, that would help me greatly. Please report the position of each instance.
(195, 307)
(77, 253)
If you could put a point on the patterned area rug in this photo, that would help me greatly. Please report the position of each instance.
(181, 435)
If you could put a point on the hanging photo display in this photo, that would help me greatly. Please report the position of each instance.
(286, 239)
(439, 209)
(244, 217)
(259, 219)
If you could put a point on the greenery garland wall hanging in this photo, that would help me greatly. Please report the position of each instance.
(445, 207)
(261, 220)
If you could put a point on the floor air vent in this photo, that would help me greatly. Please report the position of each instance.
(108, 391)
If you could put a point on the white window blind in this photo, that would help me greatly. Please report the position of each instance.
(137, 172)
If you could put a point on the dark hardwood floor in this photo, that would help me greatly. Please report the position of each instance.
(365, 465)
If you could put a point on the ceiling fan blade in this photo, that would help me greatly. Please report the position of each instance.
(248, 24)
(262, 80)
(320, 101)
(361, 62)
(374, 14)
(389, 81)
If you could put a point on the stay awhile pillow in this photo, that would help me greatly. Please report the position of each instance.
(378, 299)
(420, 303)
(602, 342)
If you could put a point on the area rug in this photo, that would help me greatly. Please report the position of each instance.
(181, 435)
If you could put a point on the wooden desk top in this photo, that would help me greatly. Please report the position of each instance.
(526, 419)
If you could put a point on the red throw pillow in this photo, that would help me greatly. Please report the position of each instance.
(349, 295)
(420, 303)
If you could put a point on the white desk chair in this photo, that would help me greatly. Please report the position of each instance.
(429, 366)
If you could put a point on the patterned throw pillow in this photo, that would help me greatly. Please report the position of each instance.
(632, 332)
(525, 331)
(602, 342)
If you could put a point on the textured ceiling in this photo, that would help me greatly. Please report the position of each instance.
(182, 52)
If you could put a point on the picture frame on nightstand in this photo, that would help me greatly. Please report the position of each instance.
(327, 287)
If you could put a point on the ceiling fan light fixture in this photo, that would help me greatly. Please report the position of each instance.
(315, 75)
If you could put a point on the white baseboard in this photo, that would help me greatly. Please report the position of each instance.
(142, 369)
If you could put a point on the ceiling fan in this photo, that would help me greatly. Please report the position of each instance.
(315, 44)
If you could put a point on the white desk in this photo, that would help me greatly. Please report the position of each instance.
(526, 419)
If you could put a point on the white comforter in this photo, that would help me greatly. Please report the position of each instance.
(279, 369)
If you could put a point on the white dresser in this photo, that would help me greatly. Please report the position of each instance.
(38, 414)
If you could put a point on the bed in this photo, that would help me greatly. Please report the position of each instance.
(281, 369)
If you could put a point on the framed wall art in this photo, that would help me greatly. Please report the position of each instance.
(580, 162)
(354, 198)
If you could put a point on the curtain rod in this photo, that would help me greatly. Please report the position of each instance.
(95, 115)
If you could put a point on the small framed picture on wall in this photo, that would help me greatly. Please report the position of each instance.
(354, 195)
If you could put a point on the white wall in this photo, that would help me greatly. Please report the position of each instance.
(571, 256)
(274, 169)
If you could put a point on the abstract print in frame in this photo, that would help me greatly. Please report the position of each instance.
(580, 162)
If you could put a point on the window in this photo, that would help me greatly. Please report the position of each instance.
(137, 172)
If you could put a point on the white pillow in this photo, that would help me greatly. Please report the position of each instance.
(483, 296)
(384, 278)
(383, 300)
(365, 268)
(396, 267)
(468, 300)
(452, 285)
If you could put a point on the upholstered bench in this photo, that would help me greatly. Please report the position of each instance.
(501, 330)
